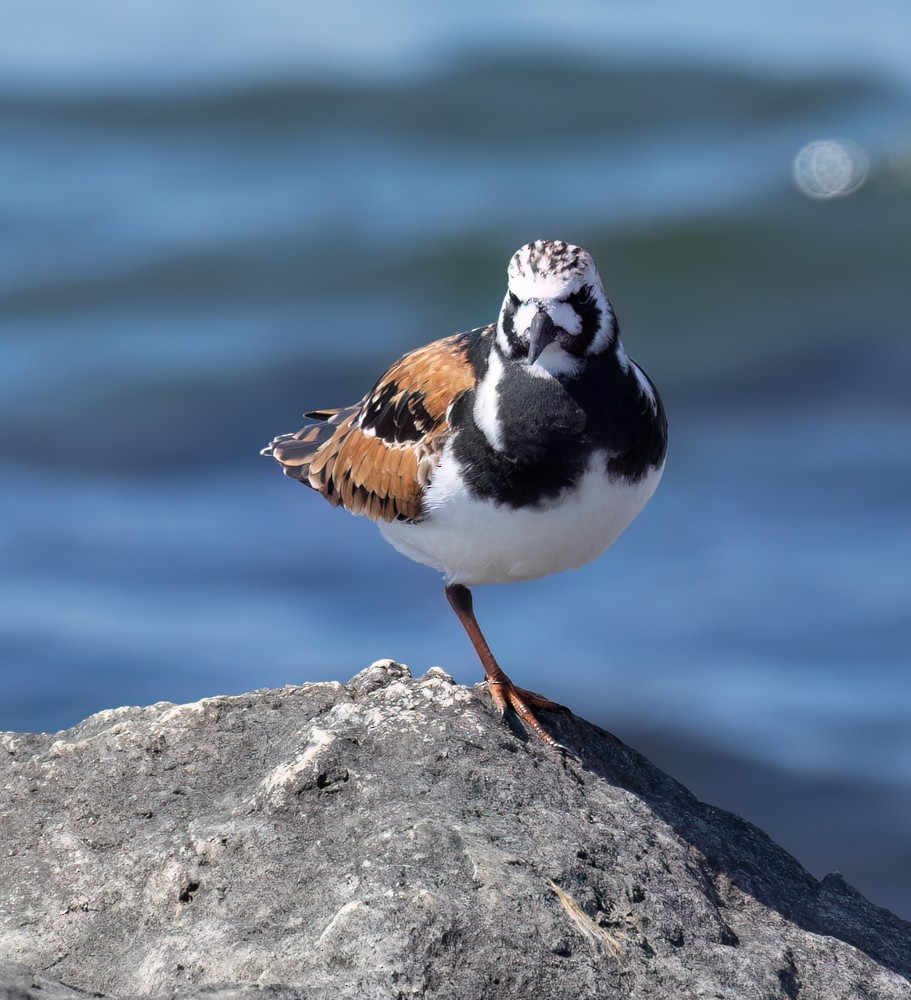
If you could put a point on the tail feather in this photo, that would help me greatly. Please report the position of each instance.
(267, 451)
(295, 452)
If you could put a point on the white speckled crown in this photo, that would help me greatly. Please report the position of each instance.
(548, 267)
(549, 256)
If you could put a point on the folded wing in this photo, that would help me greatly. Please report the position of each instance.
(377, 457)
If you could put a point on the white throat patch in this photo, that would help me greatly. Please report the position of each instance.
(553, 361)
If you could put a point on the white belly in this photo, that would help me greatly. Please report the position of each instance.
(473, 542)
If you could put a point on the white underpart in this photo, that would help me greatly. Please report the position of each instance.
(486, 414)
(474, 541)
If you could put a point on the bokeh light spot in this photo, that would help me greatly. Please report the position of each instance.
(830, 168)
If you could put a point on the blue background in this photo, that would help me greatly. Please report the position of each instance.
(217, 217)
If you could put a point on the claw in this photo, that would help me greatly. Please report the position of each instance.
(498, 697)
(506, 695)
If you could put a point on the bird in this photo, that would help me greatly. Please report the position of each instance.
(502, 454)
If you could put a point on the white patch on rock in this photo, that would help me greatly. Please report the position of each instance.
(344, 710)
(178, 713)
(397, 691)
(438, 674)
(287, 776)
(388, 664)
(109, 714)
(338, 924)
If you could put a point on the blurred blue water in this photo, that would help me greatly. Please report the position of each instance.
(204, 247)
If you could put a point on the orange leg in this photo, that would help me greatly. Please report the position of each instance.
(504, 693)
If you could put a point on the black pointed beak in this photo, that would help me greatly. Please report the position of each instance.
(541, 333)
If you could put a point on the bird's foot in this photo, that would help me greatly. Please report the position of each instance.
(507, 695)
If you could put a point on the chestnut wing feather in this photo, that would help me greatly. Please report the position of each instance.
(377, 457)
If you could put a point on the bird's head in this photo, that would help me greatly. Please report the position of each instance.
(555, 313)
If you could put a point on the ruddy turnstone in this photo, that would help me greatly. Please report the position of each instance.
(505, 453)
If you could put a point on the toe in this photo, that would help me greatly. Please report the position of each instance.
(535, 700)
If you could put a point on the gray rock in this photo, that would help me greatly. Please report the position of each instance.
(394, 839)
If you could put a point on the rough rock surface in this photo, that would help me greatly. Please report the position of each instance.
(390, 839)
